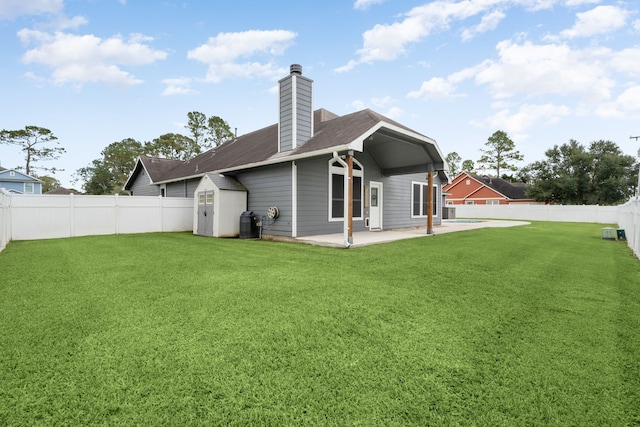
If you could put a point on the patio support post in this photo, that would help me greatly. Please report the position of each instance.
(349, 160)
(430, 199)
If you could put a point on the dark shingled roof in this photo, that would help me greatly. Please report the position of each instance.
(157, 167)
(331, 132)
(62, 190)
(512, 190)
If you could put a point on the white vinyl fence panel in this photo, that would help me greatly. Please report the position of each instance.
(32, 217)
(557, 213)
(5, 219)
(630, 222)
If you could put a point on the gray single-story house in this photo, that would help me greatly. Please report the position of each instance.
(296, 172)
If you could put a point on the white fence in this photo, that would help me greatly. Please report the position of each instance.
(626, 216)
(630, 222)
(557, 213)
(31, 217)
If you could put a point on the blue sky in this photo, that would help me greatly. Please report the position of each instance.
(544, 71)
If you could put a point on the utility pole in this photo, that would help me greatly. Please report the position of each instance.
(638, 187)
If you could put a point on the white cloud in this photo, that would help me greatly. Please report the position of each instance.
(395, 113)
(381, 102)
(178, 86)
(600, 20)
(63, 23)
(434, 88)
(626, 61)
(386, 42)
(547, 69)
(636, 25)
(358, 105)
(626, 104)
(10, 9)
(364, 4)
(222, 52)
(489, 22)
(80, 59)
(526, 117)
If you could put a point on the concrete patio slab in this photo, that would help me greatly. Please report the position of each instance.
(365, 238)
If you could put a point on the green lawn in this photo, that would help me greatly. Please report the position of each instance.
(527, 326)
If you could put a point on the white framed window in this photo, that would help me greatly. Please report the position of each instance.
(419, 199)
(493, 202)
(449, 203)
(29, 188)
(469, 202)
(337, 175)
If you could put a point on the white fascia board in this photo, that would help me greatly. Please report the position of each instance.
(134, 170)
(273, 161)
(183, 178)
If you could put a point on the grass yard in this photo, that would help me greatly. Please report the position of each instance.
(527, 326)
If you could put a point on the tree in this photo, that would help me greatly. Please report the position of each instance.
(109, 174)
(468, 166)
(197, 125)
(49, 183)
(218, 131)
(32, 140)
(172, 146)
(571, 174)
(207, 132)
(453, 159)
(500, 153)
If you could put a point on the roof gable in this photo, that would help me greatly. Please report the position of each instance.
(482, 183)
(16, 176)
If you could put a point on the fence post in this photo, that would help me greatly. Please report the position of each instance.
(161, 213)
(115, 214)
(72, 216)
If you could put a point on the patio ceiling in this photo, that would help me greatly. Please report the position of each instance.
(398, 153)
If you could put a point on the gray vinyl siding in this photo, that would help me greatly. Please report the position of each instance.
(270, 186)
(304, 110)
(142, 187)
(184, 188)
(286, 114)
(300, 107)
(313, 197)
(397, 201)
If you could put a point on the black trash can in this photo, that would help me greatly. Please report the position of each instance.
(248, 225)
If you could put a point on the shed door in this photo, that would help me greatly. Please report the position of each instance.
(205, 213)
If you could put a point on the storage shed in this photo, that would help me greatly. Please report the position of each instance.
(218, 203)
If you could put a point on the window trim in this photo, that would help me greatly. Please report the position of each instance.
(358, 171)
(33, 188)
(422, 202)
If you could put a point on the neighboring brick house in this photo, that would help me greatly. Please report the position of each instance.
(473, 189)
